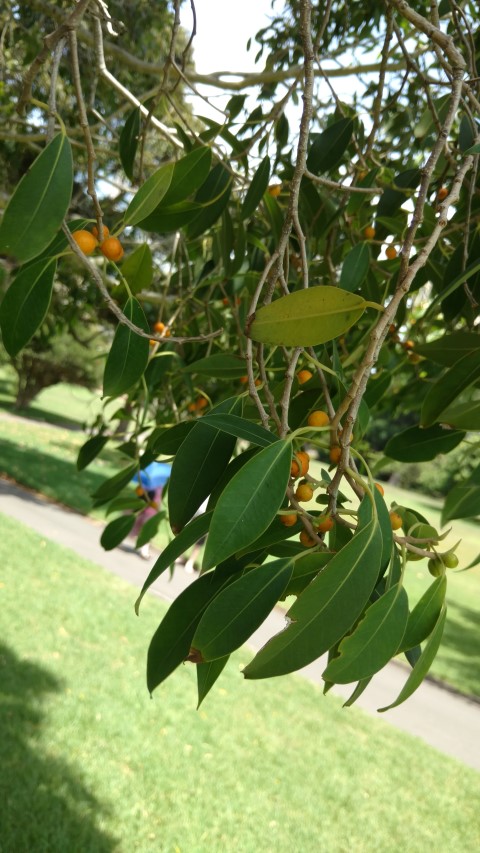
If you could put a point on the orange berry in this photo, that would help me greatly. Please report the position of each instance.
(335, 454)
(201, 403)
(85, 241)
(325, 524)
(318, 419)
(225, 301)
(304, 376)
(192, 407)
(258, 382)
(392, 329)
(274, 190)
(152, 342)
(106, 231)
(380, 488)
(112, 249)
(442, 193)
(289, 520)
(408, 344)
(414, 357)
(161, 329)
(140, 491)
(391, 252)
(396, 520)
(153, 504)
(362, 175)
(304, 492)
(243, 380)
(306, 539)
(369, 232)
(300, 464)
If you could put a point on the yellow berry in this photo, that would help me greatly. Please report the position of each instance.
(335, 454)
(289, 520)
(396, 520)
(318, 419)
(369, 232)
(391, 252)
(380, 488)
(304, 492)
(112, 249)
(304, 376)
(306, 539)
(85, 241)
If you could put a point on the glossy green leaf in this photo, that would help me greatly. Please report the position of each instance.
(423, 664)
(424, 615)
(256, 189)
(355, 267)
(40, 202)
(190, 534)
(189, 173)
(170, 218)
(449, 386)
(305, 569)
(359, 689)
(376, 389)
(199, 463)
(374, 641)
(124, 502)
(116, 531)
(232, 468)
(128, 356)
(462, 502)
(26, 303)
(275, 532)
(475, 149)
(452, 287)
(111, 487)
(128, 142)
(218, 366)
(249, 503)
(421, 445)
(90, 450)
(449, 348)
(275, 215)
(149, 196)
(307, 317)
(326, 609)
(166, 442)
(463, 416)
(138, 268)
(328, 148)
(170, 645)
(238, 610)
(150, 528)
(241, 428)
(385, 528)
(213, 197)
(392, 198)
(207, 675)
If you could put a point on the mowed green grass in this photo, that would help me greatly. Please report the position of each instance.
(90, 763)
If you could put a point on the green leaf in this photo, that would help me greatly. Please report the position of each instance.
(463, 416)
(166, 219)
(166, 442)
(449, 348)
(128, 142)
(449, 386)
(171, 642)
(355, 267)
(421, 445)
(374, 641)
(213, 197)
(305, 568)
(475, 149)
(189, 173)
(137, 268)
(462, 502)
(256, 189)
(116, 531)
(359, 689)
(40, 202)
(423, 664)
(90, 450)
(218, 366)
(238, 610)
(307, 317)
(128, 356)
(326, 609)
(190, 534)
(150, 194)
(26, 303)
(198, 465)
(424, 615)
(207, 674)
(114, 485)
(149, 529)
(328, 148)
(275, 215)
(249, 502)
(241, 428)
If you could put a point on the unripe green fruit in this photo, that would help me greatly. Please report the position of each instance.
(450, 560)
(436, 567)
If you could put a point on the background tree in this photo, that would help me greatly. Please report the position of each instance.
(290, 270)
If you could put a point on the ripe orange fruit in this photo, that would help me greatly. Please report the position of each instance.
(112, 249)
(304, 492)
(395, 520)
(192, 407)
(380, 488)
(106, 231)
(85, 241)
(300, 464)
(325, 524)
(140, 491)
(335, 454)
(161, 329)
(306, 539)
(391, 252)
(392, 329)
(289, 520)
(201, 403)
(369, 232)
(243, 380)
(318, 419)
(442, 193)
(153, 504)
(408, 344)
(304, 376)
(274, 190)
(152, 342)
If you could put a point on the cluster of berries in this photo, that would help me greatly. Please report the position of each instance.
(87, 241)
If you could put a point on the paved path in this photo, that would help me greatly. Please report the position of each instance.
(445, 720)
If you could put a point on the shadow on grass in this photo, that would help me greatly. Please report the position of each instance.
(461, 646)
(35, 413)
(56, 478)
(44, 805)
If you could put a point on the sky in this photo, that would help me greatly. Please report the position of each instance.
(223, 29)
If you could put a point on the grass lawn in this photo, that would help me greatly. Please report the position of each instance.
(90, 763)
